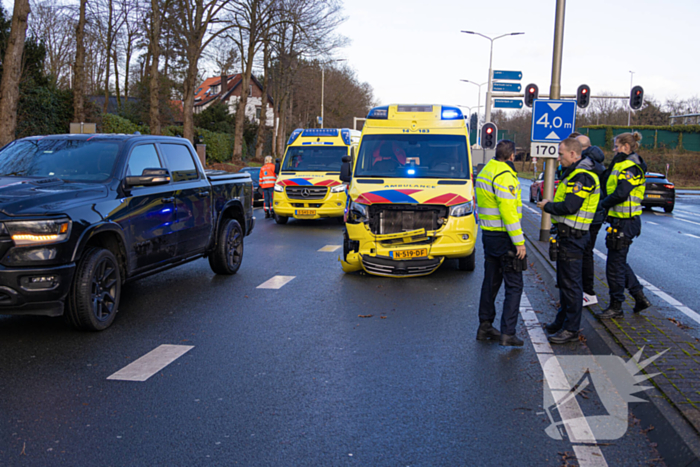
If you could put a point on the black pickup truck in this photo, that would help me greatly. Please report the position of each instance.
(80, 215)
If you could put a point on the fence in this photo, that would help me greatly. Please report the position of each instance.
(652, 138)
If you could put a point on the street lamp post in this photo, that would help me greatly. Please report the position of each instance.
(488, 90)
(629, 107)
(323, 79)
(478, 106)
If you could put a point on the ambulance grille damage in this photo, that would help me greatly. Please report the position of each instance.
(389, 219)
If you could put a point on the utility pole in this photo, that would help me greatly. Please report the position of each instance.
(629, 107)
(554, 93)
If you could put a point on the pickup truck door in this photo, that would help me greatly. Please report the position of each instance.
(150, 211)
(193, 223)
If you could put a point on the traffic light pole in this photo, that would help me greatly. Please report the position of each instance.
(554, 93)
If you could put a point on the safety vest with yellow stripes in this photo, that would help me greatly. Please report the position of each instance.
(267, 176)
(632, 206)
(498, 199)
(582, 219)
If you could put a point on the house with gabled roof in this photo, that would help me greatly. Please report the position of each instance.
(210, 91)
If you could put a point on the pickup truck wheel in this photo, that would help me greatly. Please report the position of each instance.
(228, 254)
(281, 219)
(93, 300)
(468, 263)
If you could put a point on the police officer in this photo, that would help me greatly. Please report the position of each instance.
(500, 211)
(574, 207)
(625, 192)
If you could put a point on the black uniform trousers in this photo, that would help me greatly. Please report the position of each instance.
(570, 281)
(588, 261)
(618, 273)
(497, 270)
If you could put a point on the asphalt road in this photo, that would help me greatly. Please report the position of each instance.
(289, 376)
(665, 254)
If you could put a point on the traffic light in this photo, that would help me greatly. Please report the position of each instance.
(531, 93)
(583, 96)
(636, 97)
(489, 133)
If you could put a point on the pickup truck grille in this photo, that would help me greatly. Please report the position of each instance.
(306, 192)
(388, 219)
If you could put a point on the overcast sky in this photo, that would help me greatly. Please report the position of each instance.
(412, 50)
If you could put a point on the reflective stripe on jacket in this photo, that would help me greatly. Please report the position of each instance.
(632, 206)
(498, 200)
(583, 218)
(267, 176)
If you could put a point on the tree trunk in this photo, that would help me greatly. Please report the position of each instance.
(154, 85)
(116, 79)
(12, 72)
(79, 68)
(109, 56)
(188, 90)
(242, 102)
(126, 72)
(262, 124)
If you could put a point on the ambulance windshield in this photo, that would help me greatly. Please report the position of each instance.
(314, 158)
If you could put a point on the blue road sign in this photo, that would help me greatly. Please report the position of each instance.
(552, 120)
(507, 87)
(508, 103)
(512, 75)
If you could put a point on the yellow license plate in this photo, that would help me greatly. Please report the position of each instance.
(409, 254)
(305, 212)
(653, 196)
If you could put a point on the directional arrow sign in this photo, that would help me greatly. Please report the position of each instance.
(507, 87)
(552, 120)
(512, 75)
(508, 103)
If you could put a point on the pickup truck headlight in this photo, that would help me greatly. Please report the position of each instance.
(357, 213)
(339, 188)
(461, 210)
(32, 233)
(279, 188)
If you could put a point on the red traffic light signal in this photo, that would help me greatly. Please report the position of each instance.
(583, 96)
(531, 93)
(636, 97)
(489, 132)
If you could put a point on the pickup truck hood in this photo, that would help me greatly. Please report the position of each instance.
(26, 196)
(309, 178)
(410, 191)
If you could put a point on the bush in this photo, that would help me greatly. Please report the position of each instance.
(115, 124)
(44, 110)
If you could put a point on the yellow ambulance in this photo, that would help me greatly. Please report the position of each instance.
(308, 184)
(411, 195)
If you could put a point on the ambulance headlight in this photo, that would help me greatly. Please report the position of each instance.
(461, 210)
(279, 188)
(357, 213)
(339, 188)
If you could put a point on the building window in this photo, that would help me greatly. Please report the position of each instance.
(257, 112)
(215, 89)
(250, 91)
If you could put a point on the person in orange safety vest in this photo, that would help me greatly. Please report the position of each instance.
(267, 183)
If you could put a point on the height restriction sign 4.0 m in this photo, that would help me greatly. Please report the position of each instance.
(552, 120)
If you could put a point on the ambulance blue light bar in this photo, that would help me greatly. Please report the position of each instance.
(320, 132)
(295, 134)
(345, 133)
(379, 113)
(451, 113)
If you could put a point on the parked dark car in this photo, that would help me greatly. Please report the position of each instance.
(537, 188)
(659, 192)
(255, 176)
(82, 214)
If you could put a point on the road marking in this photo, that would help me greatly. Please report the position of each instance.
(691, 235)
(652, 223)
(151, 363)
(685, 220)
(531, 209)
(570, 411)
(331, 248)
(662, 295)
(688, 212)
(661, 214)
(276, 282)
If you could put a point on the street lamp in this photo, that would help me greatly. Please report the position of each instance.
(629, 108)
(478, 106)
(488, 90)
(323, 79)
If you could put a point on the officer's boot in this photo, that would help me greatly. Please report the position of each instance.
(487, 331)
(511, 341)
(641, 302)
(613, 311)
(267, 214)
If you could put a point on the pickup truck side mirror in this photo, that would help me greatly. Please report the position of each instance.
(149, 177)
(346, 170)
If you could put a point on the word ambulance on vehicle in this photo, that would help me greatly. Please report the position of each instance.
(308, 184)
(410, 196)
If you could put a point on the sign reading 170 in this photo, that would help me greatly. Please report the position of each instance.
(553, 120)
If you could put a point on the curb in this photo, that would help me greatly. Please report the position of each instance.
(677, 440)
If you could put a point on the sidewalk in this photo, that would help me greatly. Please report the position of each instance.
(679, 367)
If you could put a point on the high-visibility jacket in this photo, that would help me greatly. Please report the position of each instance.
(632, 206)
(267, 176)
(498, 199)
(583, 218)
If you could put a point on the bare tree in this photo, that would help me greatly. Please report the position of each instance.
(157, 7)
(262, 124)
(79, 67)
(53, 24)
(12, 71)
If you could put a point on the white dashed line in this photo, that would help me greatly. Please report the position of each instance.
(331, 248)
(691, 213)
(691, 235)
(531, 209)
(572, 417)
(652, 223)
(276, 282)
(151, 363)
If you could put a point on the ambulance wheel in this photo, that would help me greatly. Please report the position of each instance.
(281, 219)
(468, 263)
